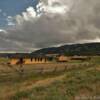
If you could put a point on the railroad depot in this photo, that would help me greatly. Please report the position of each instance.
(31, 59)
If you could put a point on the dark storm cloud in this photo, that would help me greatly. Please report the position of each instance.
(81, 22)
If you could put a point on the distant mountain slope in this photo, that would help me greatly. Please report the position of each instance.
(74, 49)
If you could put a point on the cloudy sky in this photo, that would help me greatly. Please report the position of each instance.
(27, 25)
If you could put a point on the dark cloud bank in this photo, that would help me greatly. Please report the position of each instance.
(79, 24)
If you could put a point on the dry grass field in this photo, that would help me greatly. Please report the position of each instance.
(54, 81)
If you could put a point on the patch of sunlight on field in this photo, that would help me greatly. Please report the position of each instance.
(4, 60)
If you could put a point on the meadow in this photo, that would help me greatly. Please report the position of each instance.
(55, 81)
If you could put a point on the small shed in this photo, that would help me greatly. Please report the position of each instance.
(63, 58)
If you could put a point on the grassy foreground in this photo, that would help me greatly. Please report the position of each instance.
(72, 85)
(80, 83)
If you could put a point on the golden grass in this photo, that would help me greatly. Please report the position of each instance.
(38, 86)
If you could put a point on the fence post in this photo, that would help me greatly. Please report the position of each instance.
(65, 68)
(41, 70)
(55, 69)
(21, 70)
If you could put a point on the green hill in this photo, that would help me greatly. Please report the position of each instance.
(74, 49)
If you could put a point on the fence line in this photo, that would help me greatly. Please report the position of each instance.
(57, 68)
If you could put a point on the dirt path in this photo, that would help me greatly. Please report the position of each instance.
(48, 81)
(29, 85)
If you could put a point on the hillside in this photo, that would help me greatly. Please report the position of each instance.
(74, 49)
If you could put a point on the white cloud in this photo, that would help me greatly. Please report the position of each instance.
(10, 21)
(3, 31)
(29, 15)
(56, 6)
(57, 9)
(31, 12)
(97, 39)
(52, 8)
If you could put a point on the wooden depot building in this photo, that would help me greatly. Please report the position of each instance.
(28, 59)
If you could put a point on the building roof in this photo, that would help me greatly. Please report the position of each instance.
(28, 56)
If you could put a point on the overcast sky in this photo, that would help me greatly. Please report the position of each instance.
(27, 25)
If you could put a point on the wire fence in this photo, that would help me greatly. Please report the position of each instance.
(41, 68)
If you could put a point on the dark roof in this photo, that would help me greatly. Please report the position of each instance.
(28, 56)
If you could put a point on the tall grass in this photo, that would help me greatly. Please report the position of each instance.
(75, 83)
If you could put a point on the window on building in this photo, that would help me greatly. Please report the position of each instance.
(31, 59)
(40, 59)
(45, 59)
(50, 58)
(35, 59)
